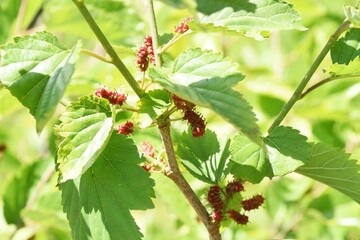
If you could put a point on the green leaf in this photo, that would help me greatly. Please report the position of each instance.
(205, 79)
(347, 48)
(18, 191)
(98, 203)
(333, 167)
(254, 18)
(8, 12)
(249, 160)
(202, 157)
(85, 130)
(353, 14)
(154, 103)
(287, 150)
(37, 69)
(345, 69)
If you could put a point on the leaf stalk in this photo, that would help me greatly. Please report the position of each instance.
(297, 94)
(115, 59)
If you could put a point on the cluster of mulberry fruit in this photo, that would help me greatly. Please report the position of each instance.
(113, 97)
(145, 54)
(219, 199)
(195, 119)
(126, 129)
(183, 26)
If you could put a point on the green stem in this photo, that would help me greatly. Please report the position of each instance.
(326, 80)
(175, 39)
(107, 46)
(297, 94)
(154, 32)
(95, 55)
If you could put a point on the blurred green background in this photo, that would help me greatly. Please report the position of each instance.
(295, 207)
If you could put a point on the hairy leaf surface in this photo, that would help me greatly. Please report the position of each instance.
(98, 203)
(37, 69)
(206, 79)
(333, 167)
(202, 156)
(254, 18)
(85, 130)
(249, 160)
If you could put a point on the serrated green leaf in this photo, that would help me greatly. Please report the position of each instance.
(254, 18)
(205, 79)
(287, 150)
(353, 14)
(347, 48)
(333, 167)
(85, 130)
(345, 69)
(37, 69)
(249, 160)
(98, 203)
(18, 191)
(154, 103)
(202, 157)
(201, 148)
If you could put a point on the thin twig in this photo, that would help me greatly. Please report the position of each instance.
(108, 47)
(154, 32)
(297, 94)
(176, 176)
(175, 39)
(326, 80)
(95, 55)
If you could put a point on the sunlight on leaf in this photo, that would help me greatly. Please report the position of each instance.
(333, 167)
(254, 18)
(37, 69)
(98, 203)
(85, 130)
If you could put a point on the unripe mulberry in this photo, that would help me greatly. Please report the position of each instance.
(182, 104)
(253, 203)
(113, 97)
(147, 148)
(183, 26)
(217, 216)
(238, 217)
(196, 121)
(145, 54)
(126, 129)
(234, 187)
(214, 197)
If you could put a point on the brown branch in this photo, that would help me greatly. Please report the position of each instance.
(176, 176)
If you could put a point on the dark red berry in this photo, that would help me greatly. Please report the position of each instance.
(182, 104)
(216, 216)
(238, 217)
(145, 54)
(214, 197)
(147, 167)
(126, 129)
(183, 27)
(234, 187)
(113, 97)
(147, 148)
(196, 121)
(253, 203)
